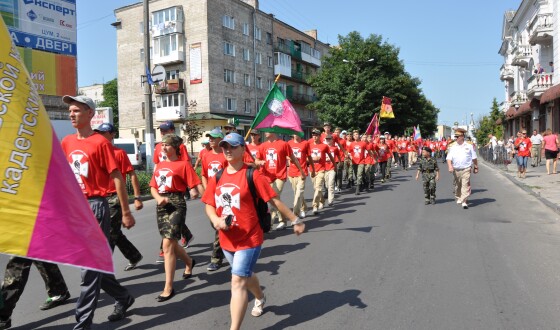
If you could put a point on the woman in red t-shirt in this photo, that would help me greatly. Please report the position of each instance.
(523, 146)
(231, 210)
(168, 185)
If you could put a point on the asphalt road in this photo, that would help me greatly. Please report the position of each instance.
(381, 260)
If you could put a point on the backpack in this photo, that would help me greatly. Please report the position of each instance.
(265, 220)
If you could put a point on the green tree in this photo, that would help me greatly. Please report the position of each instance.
(111, 99)
(191, 127)
(350, 87)
(488, 125)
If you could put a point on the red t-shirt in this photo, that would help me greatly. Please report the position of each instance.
(275, 154)
(524, 147)
(212, 163)
(92, 160)
(335, 138)
(342, 144)
(174, 177)
(318, 154)
(232, 197)
(160, 156)
(392, 145)
(443, 145)
(124, 165)
(301, 152)
(357, 152)
(402, 147)
(253, 149)
(383, 152)
(411, 146)
(368, 158)
(335, 152)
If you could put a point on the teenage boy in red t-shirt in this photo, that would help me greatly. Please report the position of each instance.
(129, 251)
(319, 152)
(300, 149)
(330, 168)
(92, 160)
(358, 151)
(523, 145)
(272, 157)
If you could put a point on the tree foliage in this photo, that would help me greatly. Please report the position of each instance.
(111, 99)
(487, 125)
(350, 88)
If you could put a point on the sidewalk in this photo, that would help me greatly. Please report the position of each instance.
(536, 182)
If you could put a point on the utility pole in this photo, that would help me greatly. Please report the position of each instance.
(148, 92)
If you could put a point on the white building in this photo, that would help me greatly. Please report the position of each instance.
(94, 92)
(531, 89)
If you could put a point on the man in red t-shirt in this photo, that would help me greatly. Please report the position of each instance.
(523, 146)
(212, 162)
(167, 127)
(319, 152)
(300, 149)
(129, 251)
(358, 152)
(205, 148)
(393, 150)
(272, 156)
(255, 144)
(411, 149)
(330, 168)
(92, 160)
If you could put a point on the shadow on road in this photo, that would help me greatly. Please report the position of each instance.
(480, 201)
(313, 306)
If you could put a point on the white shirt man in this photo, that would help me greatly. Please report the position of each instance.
(536, 148)
(460, 158)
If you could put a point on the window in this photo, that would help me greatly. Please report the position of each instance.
(270, 61)
(170, 100)
(284, 60)
(269, 84)
(229, 48)
(247, 108)
(246, 54)
(229, 76)
(269, 38)
(172, 74)
(229, 22)
(141, 54)
(257, 33)
(141, 27)
(258, 82)
(246, 29)
(165, 45)
(258, 58)
(309, 114)
(166, 15)
(230, 104)
(246, 80)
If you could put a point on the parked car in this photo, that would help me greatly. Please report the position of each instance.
(143, 153)
(132, 148)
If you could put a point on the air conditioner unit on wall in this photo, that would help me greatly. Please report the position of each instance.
(535, 114)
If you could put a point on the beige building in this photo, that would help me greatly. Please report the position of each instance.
(95, 92)
(220, 59)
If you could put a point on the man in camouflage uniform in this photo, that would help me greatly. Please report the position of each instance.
(15, 279)
(430, 174)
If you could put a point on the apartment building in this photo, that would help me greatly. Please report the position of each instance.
(532, 92)
(95, 92)
(220, 59)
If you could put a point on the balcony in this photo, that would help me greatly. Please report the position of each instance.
(522, 55)
(170, 107)
(311, 59)
(289, 47)
(541, 29)
(301, 98)
(283, 70)
(168, 27)
(170, 86)
(299, 75)
(506, 72)
(538, 84)
(518, 98)
(173, 57)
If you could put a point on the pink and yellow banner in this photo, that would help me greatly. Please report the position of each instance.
(43, 213)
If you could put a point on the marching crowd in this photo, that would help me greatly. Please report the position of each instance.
(236, 176)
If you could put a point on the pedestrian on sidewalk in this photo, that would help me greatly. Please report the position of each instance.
(536, 144)
(523, 146)
(550, 142)
(172, 177)
(231, 210)
(429, 169)
(461, 159)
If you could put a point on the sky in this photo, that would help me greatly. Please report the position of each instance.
(451, 46)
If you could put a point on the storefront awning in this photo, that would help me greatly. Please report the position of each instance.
(510, 112)
(550, 94)
(523, 109)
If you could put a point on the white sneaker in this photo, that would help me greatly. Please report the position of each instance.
(465, 206)
(458, 201)
(315, 211)
(258, 308)
(321, 206)
(302, 214)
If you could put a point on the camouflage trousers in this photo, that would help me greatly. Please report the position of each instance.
(217, 253)
(15, 279)
(348, 170)
(116, 236)
(171, 216)
(358, 170)
(429, 184)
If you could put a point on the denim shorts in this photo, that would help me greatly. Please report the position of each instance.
(243, 261)
(522, 161)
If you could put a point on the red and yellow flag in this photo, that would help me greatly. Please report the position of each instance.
(386, 108)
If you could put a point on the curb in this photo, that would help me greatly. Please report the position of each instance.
(551, 205)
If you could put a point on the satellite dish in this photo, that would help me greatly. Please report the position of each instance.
(158, 74)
